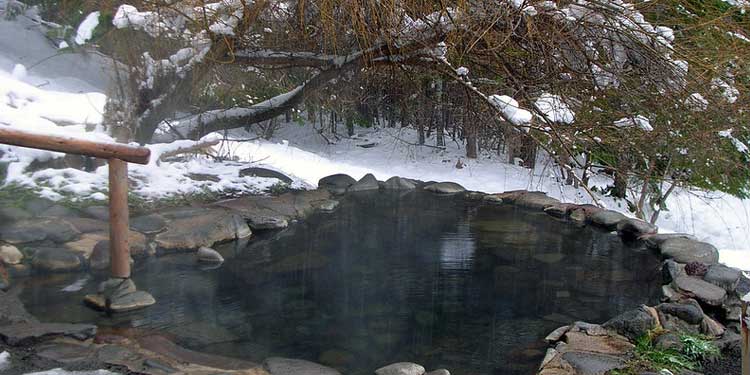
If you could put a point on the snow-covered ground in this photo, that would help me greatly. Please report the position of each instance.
(65, 97)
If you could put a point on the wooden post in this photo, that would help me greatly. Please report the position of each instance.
(744, 320)
(119, 250)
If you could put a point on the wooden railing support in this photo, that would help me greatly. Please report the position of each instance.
(119, 249)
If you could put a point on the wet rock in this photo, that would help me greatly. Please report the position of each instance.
(535, 200)
(282, 208)
(26, 333)
(60, 211)
(10, 254)
(55, 230)
(701, 290)
(97, 212)
(86, 243)
(445, 188)
(167, 348)
(559, 210)
(401, 368)
(723, 276)
(120, 303)
(398, 183)
(192, 228)
(366, 183)
(689, 312)
(149, 224)
(266, 222)
(288, 366)
(632, 323)
(654, 241)
(209, 255)
(557, 334)
(52, 259)
(65, 352)
(474, 196)
(670, 270)
(578, 215)
(634, 228)
(264, 172)
(683, 250)
(606, 219)
(337, 183)
(593, 363)
(99, 258)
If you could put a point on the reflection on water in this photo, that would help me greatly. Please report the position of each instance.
(386, 278)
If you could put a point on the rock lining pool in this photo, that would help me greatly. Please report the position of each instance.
(388, 277)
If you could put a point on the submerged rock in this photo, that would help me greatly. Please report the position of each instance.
(606, 219)
(337, 183)
(366, 183)
(401, 368)
(52, 259)
(288, 366)
(209, 255)
(445, 188)
(264, 172)
(399, 183)
(683, 250)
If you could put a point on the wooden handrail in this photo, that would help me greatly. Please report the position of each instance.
(70, 145)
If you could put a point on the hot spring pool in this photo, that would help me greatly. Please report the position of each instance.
(385, 278)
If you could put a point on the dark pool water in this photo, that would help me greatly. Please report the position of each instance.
(385, 278)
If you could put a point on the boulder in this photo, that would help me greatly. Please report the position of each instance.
(668, 341)
(337, 183)
(30, 332)
(60, 211)
(399, 183)
(267, 173)
(654, 241)
(445, 188)
(632, 323)
(9, 214)
(99, 258)
(97, 212)
(535, 200)
(262, 221)
(288, 366)
(192, 228)
(688, 312)
(366, 183)
(55, 230)
(52, 259)
(711, 327)
(701, 290)
(670, 270)
(559, 210)
(723, 276)
(683, 250)
(209, 255)
(634, 228)
(10, 254)
(401, 368)
(606, 219)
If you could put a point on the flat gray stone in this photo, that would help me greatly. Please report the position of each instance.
(337, 183)
(634, 228)
(149, 224)
(701, 290)
(264, 172)
(288, 366)
(367, 183)
(55, 230)
(191, 228)
(132, 301)
(445, 188)
(654, 241)
(25, 333)
(399, 183)
(260, 221)
(723, 276)
(52, 259)
(401, 368)
(606, 219)
(535, 200)
(593, 363)
(683, 250)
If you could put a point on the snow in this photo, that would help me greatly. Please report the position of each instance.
(739, 145)
(86, 28)
(4, 360)
(19, 72)
(510, 109)
(638, 121)
(553, 107)
(462, 71)
(696, 102)
(77, 285)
